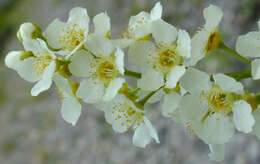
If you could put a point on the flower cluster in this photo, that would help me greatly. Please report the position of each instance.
(90, 66)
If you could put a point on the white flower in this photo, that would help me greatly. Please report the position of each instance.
(37, 64)
(103, 70)
(69, 36)
(140, 25)
(123, 114)
(208, 107)
(71, 106)
(162, 63)
(248, 45)
(207, 38)
(28, 31)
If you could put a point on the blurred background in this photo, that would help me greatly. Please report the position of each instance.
(32, 130)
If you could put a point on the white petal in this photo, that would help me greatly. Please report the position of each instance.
(198, 44)
(242, 116)
(151, 80)
(163, 32)
(63, 84)
(53, 33)
(256, 128)
(195, 81)
(27, 71)
(70, 110)
(26, 30)
(192, 108)
(174, 76)
(120, 60)
(80, 64)
(217, 152)
(144, 134)
(23, 67)
(99, 45)
(228, 84)
(34, 45)
(79, 16)
(170, 103)
(156, 12)
(122, 43)
(216, 129)
(102, 24)
(213, 16)
(255, 69)
(113, 88)
(90, 91)
(12, 59)
(112, 109)
(184, 44)
(138, 51)
(139, 25)
(248, 45)
(46, 81)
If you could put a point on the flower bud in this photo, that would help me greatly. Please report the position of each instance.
(29, 31)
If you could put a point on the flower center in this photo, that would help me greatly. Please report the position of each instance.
(106, 71)
(71, 37)
(167, 58)
(213, 41)
(41, 62)
(219, 100)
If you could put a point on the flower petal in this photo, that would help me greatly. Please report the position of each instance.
(26, 30)
(184, 44)
(174, 76)
(163, 32)
(90, 91)
(138, 51)
(144, 134)
(248, 45)
(156, 12)
(217, 152)
(216, 129)
(228, 84)
(113, 88)
(99, 45)
(46, 81)
(119, 54)
(213, 16)
(192, 108)
(255, 69)
(151, 80)
(70, 110)
(102, 24)
(170, 103)
(194, 81)
(79, 15)
(53, 32)
(242, 116)
(198, 44)
(80, 64)
(139, 25)
(12, 59)
(63, 84)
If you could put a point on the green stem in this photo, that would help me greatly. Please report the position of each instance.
(240, 75)
(257, 97)
(234, 53)
(132, 74)
(147, 97)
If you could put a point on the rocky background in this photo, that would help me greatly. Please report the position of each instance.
(32, 130)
